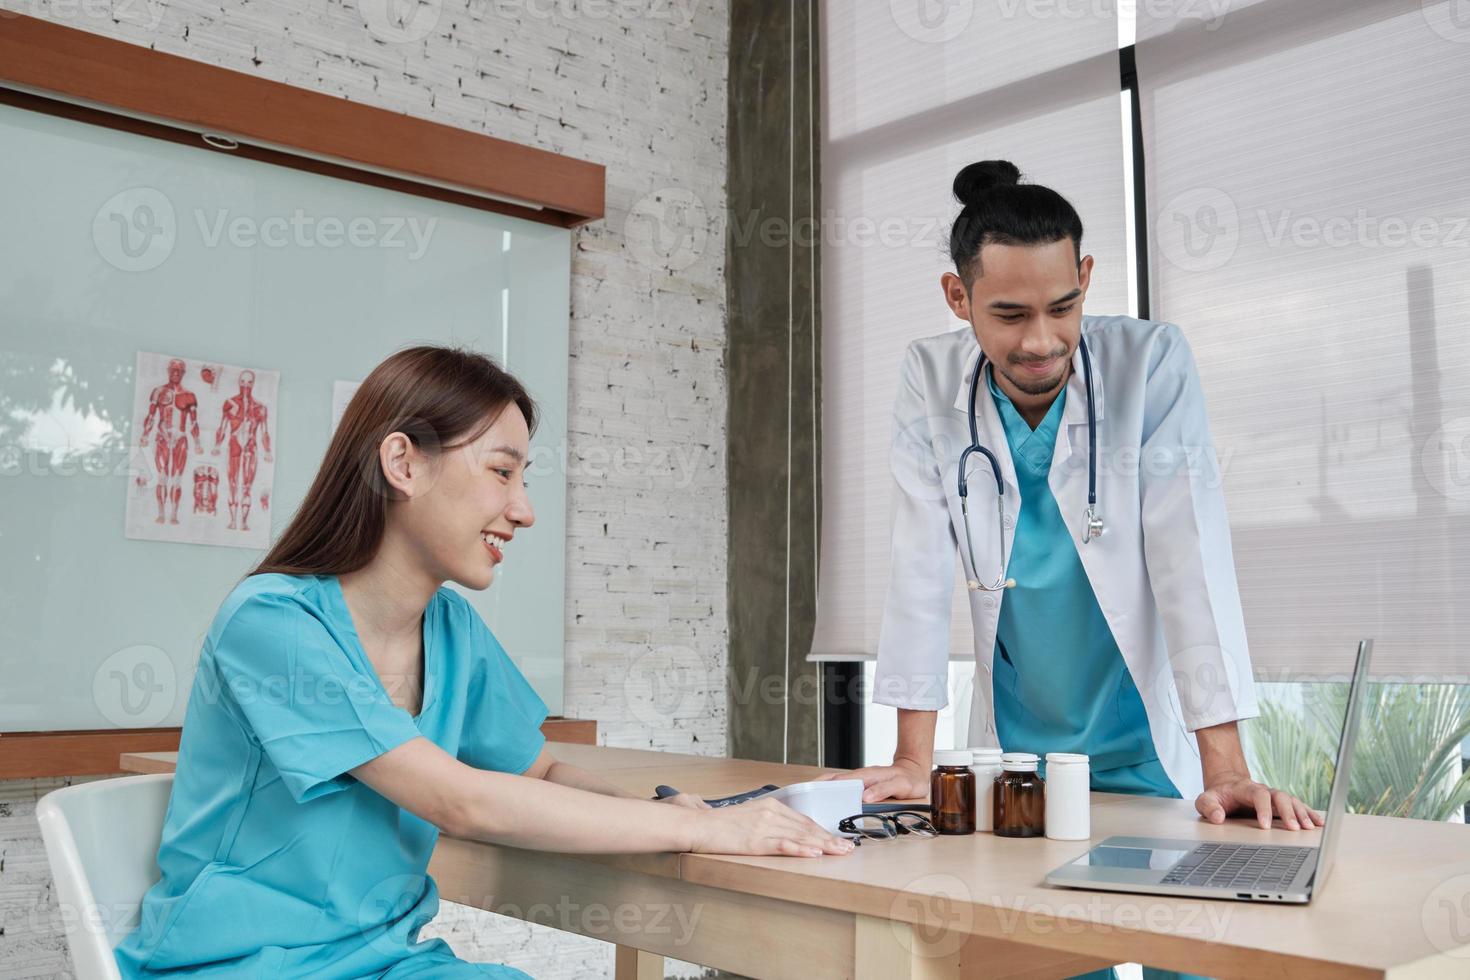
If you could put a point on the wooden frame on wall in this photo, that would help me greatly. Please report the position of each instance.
(27, 755)
(74, 74)
(95, 79)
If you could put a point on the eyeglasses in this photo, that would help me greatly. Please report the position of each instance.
(886, 826)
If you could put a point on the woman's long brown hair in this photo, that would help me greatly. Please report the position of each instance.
(441, 398)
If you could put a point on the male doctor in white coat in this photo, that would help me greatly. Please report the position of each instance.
(1128, 645)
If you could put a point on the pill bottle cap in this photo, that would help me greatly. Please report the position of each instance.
(953, 757)
(987, 754)
(1018, 761)
(1066, 759)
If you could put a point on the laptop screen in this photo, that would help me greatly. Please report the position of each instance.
(1342, 774)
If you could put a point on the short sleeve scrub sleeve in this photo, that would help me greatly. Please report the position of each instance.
(275, 861)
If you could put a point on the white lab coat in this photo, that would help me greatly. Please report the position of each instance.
(1162, 572)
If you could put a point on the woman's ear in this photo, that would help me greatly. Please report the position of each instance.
(401, 463)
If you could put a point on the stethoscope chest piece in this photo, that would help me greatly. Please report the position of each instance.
(1093, 526)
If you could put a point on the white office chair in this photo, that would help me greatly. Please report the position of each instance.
(102, 843)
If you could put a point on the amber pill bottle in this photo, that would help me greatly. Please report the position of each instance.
(1020, 797)
(952, 792)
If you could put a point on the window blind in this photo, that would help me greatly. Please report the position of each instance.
(911, 93)
(1310, 232)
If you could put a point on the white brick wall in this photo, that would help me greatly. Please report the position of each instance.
(639, 86)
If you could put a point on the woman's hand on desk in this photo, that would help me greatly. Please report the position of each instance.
(686, 800)
(904, 780)
(763, 827)
(540, 813)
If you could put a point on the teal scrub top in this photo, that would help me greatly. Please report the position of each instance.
(1060, 682)
(276, 862)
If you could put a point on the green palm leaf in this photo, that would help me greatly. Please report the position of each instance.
(1407, 762)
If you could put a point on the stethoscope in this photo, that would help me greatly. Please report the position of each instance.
(1092, 525)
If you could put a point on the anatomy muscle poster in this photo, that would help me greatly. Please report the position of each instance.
(201, 463)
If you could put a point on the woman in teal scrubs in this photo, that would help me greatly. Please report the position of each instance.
(348, 708)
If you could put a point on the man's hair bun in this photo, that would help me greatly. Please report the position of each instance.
(976, 180)
(1000, 210)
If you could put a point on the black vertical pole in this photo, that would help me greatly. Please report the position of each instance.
(1129, 66)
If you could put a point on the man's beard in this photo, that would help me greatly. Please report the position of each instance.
(1042, 386)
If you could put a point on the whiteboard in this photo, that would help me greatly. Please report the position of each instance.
(117, 244)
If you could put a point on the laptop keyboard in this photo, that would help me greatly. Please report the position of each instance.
(1239, 866)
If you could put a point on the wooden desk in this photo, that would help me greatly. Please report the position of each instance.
(1397, 906)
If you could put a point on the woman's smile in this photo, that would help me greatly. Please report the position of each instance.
(490, 538)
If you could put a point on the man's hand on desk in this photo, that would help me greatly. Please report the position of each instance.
(1234, 794)
(904, 780)
(1230, 790)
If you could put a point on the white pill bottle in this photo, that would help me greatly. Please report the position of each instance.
(985, 767)
(1068, 796)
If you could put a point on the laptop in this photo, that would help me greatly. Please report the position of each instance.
(1243, 872)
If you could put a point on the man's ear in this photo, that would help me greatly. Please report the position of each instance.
(956, 296)
(1084, 276)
